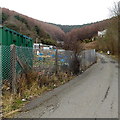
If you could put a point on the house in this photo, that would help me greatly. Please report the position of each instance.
(102, 33)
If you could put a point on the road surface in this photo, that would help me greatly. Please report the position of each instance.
(94, 94)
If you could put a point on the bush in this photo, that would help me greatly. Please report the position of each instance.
(4, 17)
(12, 26)
(48, 41)
(75, 65)
(23, 20)
(37, 29)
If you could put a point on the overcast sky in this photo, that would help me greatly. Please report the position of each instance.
(65, 12)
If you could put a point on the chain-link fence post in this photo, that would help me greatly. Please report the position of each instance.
(13, 68)
(56, 61)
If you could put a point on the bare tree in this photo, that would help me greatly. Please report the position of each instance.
(73, 43)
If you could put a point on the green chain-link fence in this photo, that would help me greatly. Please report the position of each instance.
(16, 60)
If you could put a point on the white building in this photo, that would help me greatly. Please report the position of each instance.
(102, 33)
(42, 46)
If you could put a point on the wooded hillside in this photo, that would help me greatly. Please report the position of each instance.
(49, 33)
(38, 30)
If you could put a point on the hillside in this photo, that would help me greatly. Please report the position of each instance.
(38, 30)
(85, 33)
(49, 33)
(68, 28)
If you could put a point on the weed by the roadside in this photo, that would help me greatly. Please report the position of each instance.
(29, 87)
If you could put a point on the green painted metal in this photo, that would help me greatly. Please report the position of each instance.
(10, 36)
(24, 50)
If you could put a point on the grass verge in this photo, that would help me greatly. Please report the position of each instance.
(37, 85)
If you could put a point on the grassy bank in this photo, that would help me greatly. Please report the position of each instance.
(13, 102)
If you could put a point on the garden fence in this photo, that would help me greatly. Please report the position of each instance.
(16, 60)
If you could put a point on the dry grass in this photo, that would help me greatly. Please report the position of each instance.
(10, 102)
(90, 45)
(115, 57)
(37, 85)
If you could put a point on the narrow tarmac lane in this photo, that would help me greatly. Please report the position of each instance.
(94, 94)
